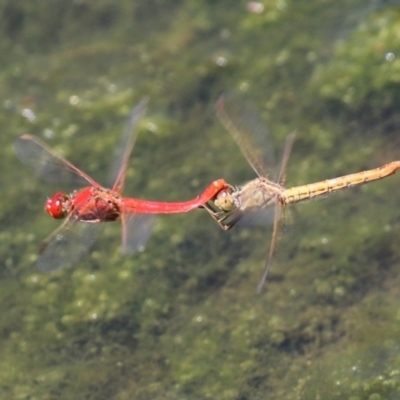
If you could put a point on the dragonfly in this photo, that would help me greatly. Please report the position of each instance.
(84, 209)
(231, 204)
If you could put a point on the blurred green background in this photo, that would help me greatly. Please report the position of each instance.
(182, 320)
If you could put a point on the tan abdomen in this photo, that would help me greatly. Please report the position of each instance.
(306, 192)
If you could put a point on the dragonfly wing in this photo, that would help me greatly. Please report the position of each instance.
(259, 217)
(249, 132)
(136, 231)
(129, 135)
(42, 161)
(277, 222)
(67, 244)
(285, 158)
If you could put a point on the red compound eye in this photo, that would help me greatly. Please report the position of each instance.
(57, 205)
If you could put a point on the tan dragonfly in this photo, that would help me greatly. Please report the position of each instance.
(230, 205)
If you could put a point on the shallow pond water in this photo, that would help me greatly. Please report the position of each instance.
(182, 320)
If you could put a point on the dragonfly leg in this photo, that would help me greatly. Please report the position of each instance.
(218, 215)
(225, 219)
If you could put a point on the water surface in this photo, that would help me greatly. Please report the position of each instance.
(182, 319)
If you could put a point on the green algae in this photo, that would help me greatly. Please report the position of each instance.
(181, 319)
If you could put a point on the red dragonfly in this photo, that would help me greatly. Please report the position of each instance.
(95, 203)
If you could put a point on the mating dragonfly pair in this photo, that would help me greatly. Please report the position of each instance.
(84, 209)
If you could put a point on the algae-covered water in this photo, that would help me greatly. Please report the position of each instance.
(182, 320)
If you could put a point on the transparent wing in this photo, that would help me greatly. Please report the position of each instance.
(249, 132)
(275, 232)
(67, 244)
(46, 164)
(260, 217)
(136, 231)
(129, 135)
(281, 179)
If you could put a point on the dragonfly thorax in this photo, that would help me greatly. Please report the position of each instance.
(257, 194)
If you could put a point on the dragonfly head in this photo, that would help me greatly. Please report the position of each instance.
(58, 205)
(225, 200)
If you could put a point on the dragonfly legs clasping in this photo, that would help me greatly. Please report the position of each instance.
(225, 217)
(219, 216)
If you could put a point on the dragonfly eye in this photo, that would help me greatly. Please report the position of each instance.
(225, 201)
(57, 205)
